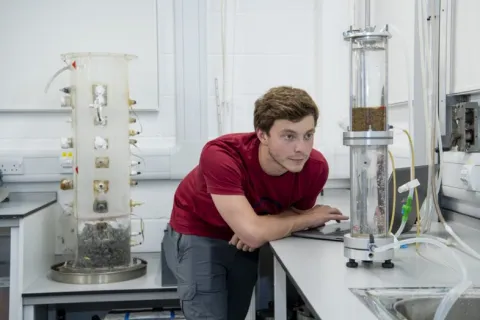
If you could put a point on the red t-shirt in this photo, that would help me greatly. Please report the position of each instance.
(229, 165)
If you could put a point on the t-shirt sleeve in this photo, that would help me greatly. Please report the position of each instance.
(221, 171)
(316, 183)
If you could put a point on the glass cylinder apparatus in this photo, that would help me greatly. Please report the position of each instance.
(369, 134)
(101, 159)
(369, 84)
(368, 206)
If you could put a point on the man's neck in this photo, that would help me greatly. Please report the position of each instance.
(267, 163)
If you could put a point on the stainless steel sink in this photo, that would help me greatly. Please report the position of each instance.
(417, 303)
(425, 308)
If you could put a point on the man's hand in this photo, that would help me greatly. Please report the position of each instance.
(322, 214)
(235, 241)
(317, 217)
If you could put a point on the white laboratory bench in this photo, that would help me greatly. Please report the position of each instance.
(21, 205)
(318, 271)
(44, 292)
(17, 215)
(32, 219)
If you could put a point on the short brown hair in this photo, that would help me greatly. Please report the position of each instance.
(283, 103)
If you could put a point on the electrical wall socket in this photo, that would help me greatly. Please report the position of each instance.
(11, 166)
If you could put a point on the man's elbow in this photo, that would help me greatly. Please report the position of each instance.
(254, 237)
(255, 242)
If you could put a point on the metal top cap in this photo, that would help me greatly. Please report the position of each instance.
(367, 33)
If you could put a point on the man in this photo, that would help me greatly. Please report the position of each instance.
(248, 189)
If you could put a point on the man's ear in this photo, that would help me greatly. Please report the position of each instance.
(262, 136)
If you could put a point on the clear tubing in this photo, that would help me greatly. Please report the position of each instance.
(435, 124)
(435, 132)
(404, 221)
(431, 202)
(450, 298)
(400, 229)
(55, 75)
(453, 294)
(436, 139)
(462, 246)
(428, 240)
(411, 118)
(428, 206)
(428, 201)
(438, 178)
(427, 210)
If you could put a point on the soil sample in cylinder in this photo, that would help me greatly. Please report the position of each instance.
(368, 118)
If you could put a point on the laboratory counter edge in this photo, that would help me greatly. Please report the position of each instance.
(19, 205)
(148, 287)
(317, 268)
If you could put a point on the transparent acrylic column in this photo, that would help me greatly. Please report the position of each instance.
(102, 163)
(369, 82)
(368, 137)
(369, 119)
(369, 191)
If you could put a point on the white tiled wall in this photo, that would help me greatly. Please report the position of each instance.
(268, 43)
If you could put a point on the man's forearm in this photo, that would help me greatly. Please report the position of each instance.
(263, 235)
(290, 212)
(273, 227)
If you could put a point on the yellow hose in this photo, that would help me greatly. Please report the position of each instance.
(394, 191)
(412, 177)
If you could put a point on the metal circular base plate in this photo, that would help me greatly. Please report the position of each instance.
(367, 138)
(367, 33)
(362, 243)
(63, 272)
(356, 248)
(364, 255)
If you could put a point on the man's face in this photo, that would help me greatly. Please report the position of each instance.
(289, 143)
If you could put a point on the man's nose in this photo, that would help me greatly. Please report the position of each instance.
(301, 146)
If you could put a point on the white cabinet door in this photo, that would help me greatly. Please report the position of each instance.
(465, 65)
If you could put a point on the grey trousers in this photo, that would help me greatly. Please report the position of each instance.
(215, 280)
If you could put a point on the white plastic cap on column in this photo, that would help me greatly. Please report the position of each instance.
(409, 185)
